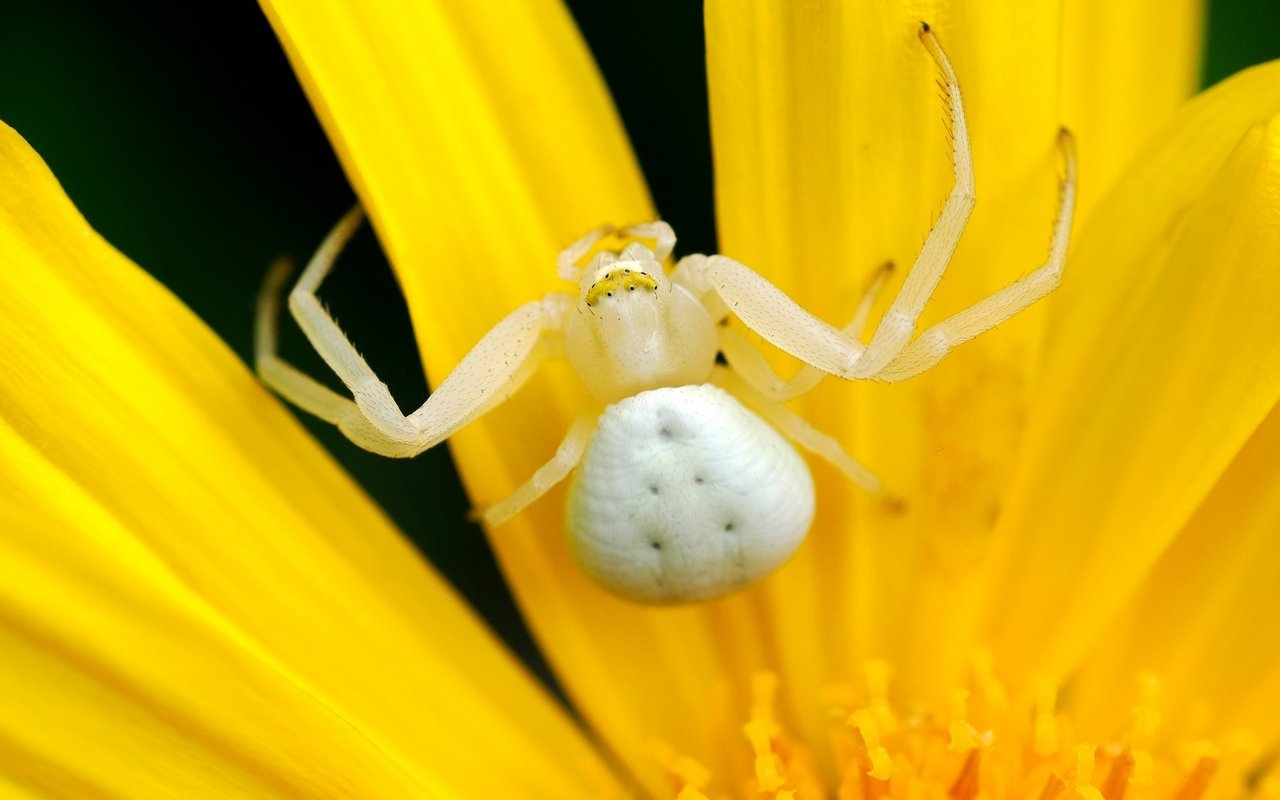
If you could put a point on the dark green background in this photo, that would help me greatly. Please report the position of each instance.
(180, 132)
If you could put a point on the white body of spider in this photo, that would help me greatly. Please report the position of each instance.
(683, 494)
(686, 485)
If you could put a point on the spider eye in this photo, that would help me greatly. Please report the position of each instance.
(620, 279)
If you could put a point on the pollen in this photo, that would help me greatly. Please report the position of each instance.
(983, 744)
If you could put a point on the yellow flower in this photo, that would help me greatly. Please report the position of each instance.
(1079, 598)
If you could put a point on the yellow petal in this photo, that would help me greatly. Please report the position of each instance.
(121, 679)
(11, 789)
(190, 589)
(831, 157)
(1203, 623)
(1164, 360)
(1126, 67)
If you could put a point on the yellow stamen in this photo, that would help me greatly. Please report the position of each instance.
(964, 736)
(1193, 752)
(1085, 760)
(877, 672)
(1085, 754)
(966, 784)
(1119, 777)
(1196, 783)
(1144, 771)
(1146, 715)
(768, 767)
(1052, 788)
(685, 772)
(761, 731)
(1046, 725)
(881, 763)
(984, 677)
(976, 751)
(1146, 719)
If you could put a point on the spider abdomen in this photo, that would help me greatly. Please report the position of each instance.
(683, 494)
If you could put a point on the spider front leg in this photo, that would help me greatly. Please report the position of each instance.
(776, 317)
(567, 266)
(747, 360)
(498, 364)
(726, 284)
(664, 238)
(938, 340)
(899, 322)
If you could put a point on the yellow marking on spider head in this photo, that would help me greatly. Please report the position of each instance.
(619, 280)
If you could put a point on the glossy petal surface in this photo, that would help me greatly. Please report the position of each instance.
(1163, 362)
(831, 158)
(194, 601)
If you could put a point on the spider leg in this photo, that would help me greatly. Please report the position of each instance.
(936, 341)
(567, 456)
(567, 266)
(302, 390)
(797, 429)
(728, 286)
(898, 323)
(747, 360)
(486, 376)
(664, 238)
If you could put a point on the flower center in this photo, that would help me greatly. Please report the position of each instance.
(983, 747)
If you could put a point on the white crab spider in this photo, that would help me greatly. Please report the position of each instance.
(681, 492)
